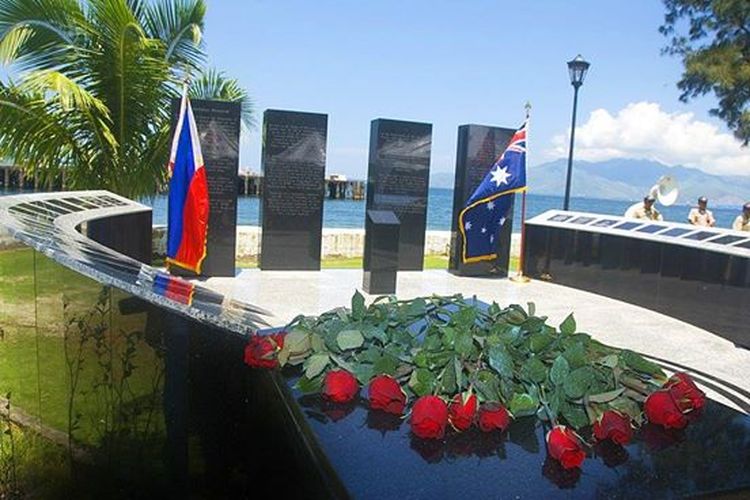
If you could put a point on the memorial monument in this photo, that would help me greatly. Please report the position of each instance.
(478, 147)
(218, 124)
(291, 211)
(398, 177)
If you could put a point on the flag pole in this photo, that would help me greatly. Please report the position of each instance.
(519, 277)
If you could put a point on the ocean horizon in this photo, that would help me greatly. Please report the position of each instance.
(350, 214)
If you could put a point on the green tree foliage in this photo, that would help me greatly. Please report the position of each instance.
(713, 39)
(91, 87)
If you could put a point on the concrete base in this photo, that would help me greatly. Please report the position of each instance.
(287, 294)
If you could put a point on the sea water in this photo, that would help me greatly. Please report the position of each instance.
(351, 214)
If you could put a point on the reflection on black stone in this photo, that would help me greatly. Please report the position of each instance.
(612, 454)
(431, 450)
(523, 433)
(382, 421)
(323, 410)
(658, 438)
(559, 475)
(458, 445)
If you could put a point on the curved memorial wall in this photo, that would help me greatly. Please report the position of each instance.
(699, 275)
(137, 380)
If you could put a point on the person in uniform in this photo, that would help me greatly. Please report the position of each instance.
(645, 210)
(700, 215)
(742, 222)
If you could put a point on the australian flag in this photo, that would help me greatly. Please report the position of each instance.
(485, 212)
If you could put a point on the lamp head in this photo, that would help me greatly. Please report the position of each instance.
(578, 68)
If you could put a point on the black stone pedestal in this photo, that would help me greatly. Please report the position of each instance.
(478, 148)
(382, 229)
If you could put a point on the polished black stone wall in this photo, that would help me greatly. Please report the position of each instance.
(129, 234)
(706, 288)
(291, 210)
(478, 148)
(218, 124)
(398, 178)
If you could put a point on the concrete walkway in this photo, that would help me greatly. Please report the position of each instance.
(717, 363)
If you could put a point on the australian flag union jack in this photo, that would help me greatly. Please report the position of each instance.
(486, 210)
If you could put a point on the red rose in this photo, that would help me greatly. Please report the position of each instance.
(429, 417)
(385, 394)
(661, 409)
(564, 446)
(262, 351)
(615, 426)
(493, 416)
(461, 413)
(340, 386)
(685, 393)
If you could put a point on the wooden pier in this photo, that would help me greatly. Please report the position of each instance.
(337, 187)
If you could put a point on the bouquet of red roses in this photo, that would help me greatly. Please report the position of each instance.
(448, 363)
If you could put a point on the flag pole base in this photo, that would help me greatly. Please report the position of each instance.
(520, 278)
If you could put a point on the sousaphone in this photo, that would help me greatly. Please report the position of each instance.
(665, 190)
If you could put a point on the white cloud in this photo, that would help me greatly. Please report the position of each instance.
(644, 130)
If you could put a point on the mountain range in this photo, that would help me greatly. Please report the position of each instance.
(627, 179)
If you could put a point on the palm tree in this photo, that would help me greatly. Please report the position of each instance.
(92, 86)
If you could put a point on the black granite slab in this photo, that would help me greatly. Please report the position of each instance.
(380, 263)
(398, 177)
(218, 124)
(374, 455)
(291, 210)
(478, 148)
(686, 278)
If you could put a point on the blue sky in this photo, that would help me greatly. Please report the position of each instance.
(443, 62)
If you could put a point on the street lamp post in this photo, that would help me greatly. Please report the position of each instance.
(577, 68)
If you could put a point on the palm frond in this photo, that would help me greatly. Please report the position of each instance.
(214, 84)
(39, 34)
(179, 25)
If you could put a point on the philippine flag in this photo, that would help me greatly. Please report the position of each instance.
(188, 194)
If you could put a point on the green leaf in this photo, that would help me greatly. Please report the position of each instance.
(539, 341)
(523, 405)
(578, 382)
(422, 381)
(609, 361)
(349, 339)
(464, 343)
(568, 326)
(500, 361)
(534, 370)
(448, 381)
(308, 386)
(363, 372)
(464, 318)
(627, 406)
(373, 332)
(358, 306)
(606, 397)
(559, 371)
(575, 415)
(458, 369)
(385, 364)
(315, 364)
(486, 384)
(417, 307)
(640, 364)
(576, 355)
(449, 336)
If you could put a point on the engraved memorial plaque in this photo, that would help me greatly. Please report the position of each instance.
(291, 211)
(218, 124)
(398, 178)
(478, 148)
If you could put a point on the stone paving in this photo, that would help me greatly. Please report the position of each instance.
(682, 346)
